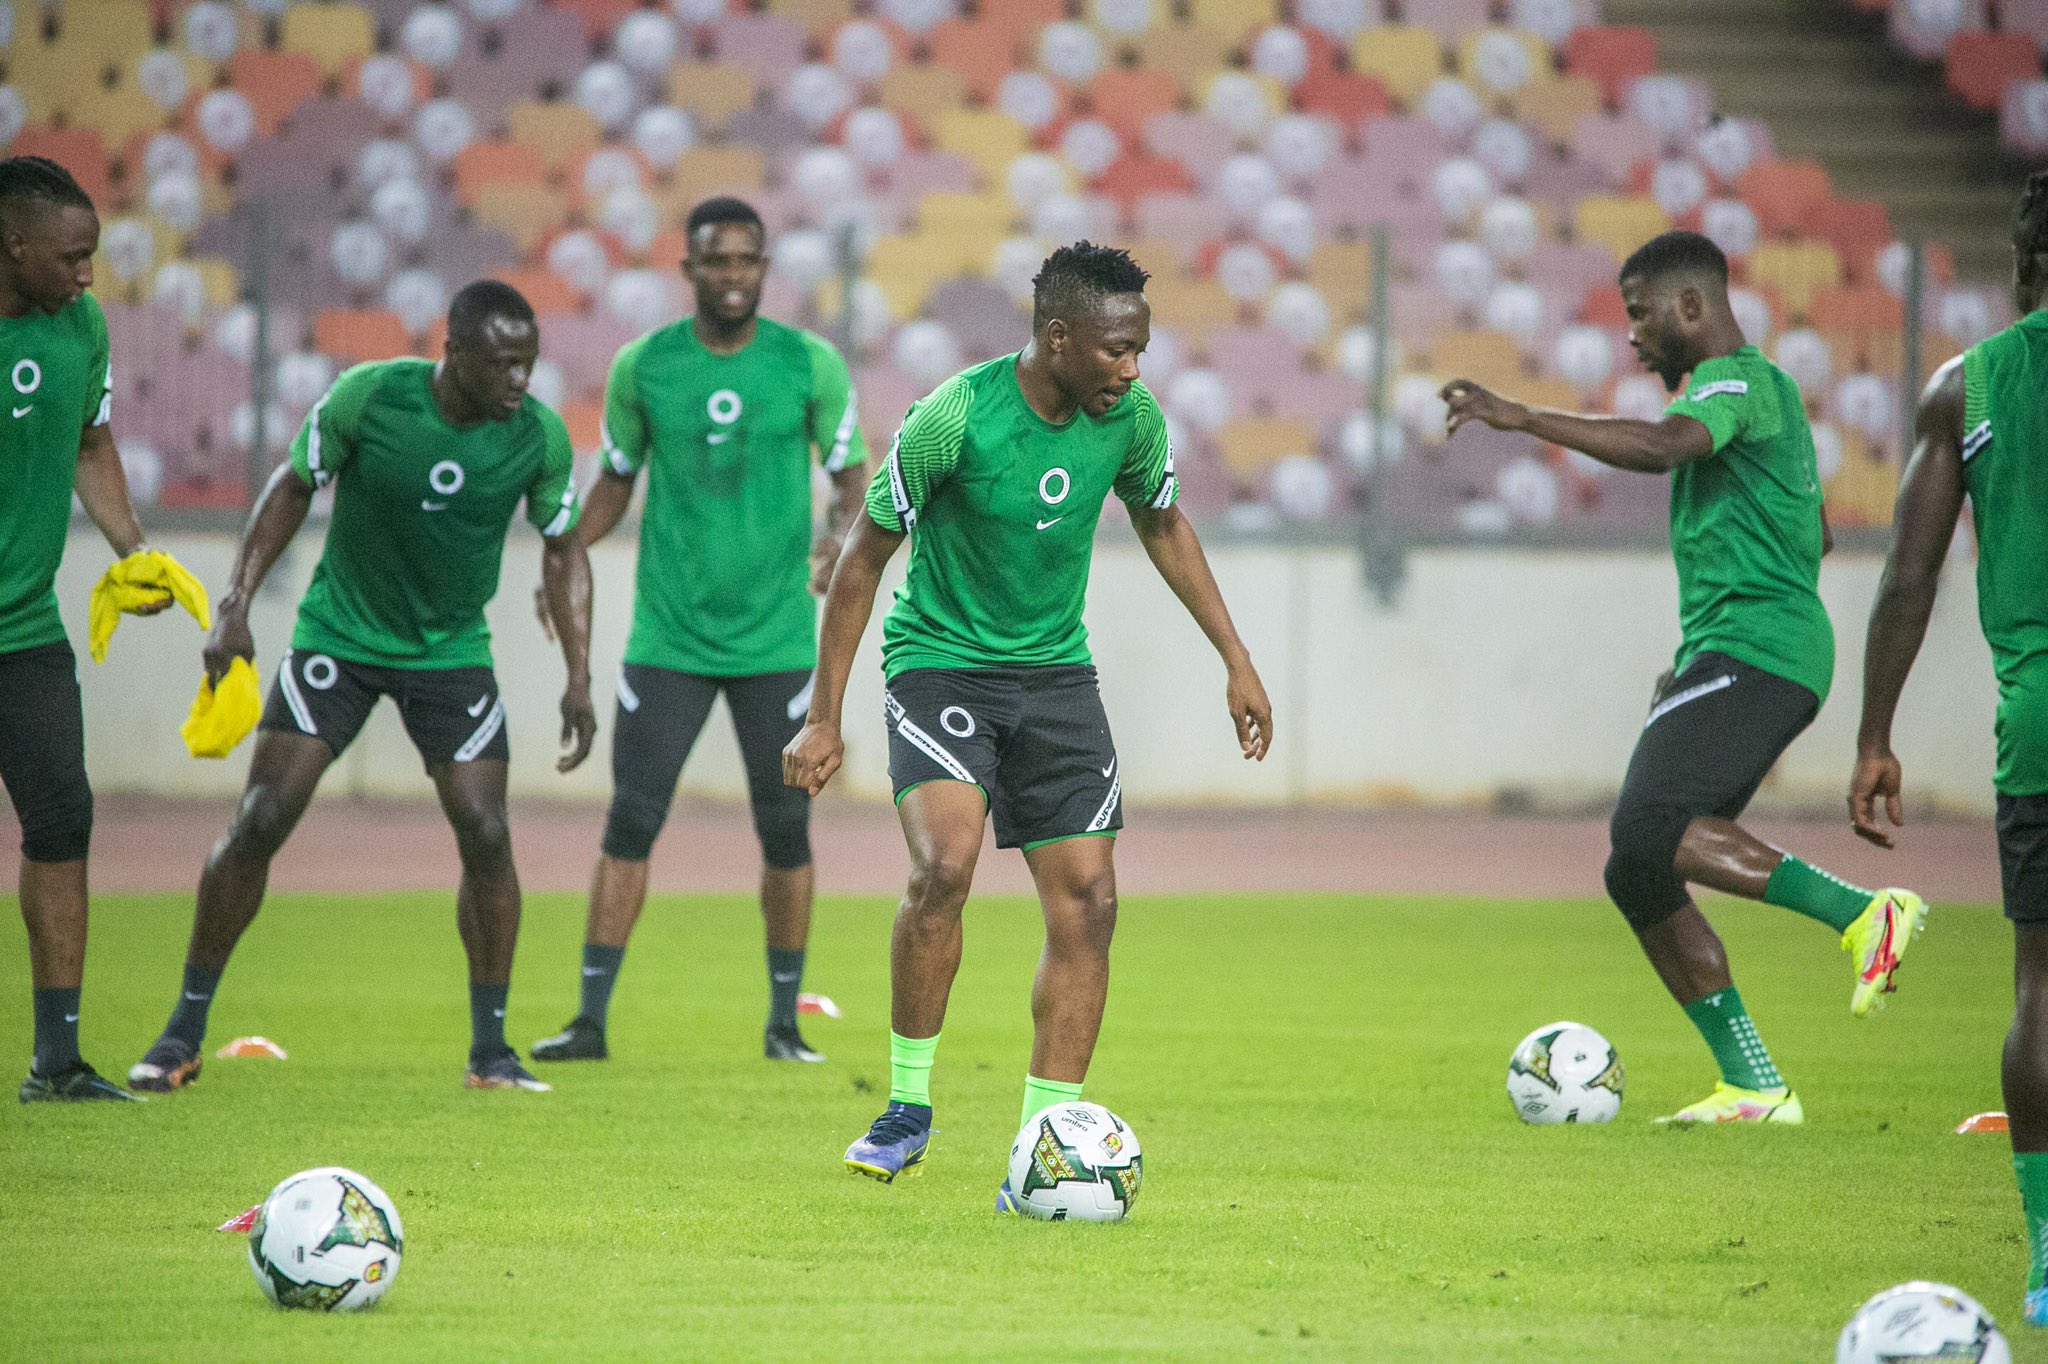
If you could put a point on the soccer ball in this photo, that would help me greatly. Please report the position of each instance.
(1922, 1320)
(1076, 1161)
(1565, 1072)
(327, 1240)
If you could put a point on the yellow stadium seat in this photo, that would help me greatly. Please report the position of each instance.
(117, 30)
(819, 17)
(1403, 58)
(1558, 104)
(1234, 20)
(1249, 444)
(1541, 392)
(58, 80)
(1863, 490)
(1342, 273)
(333, 35)
(1620, 222)
(1797, 270)
(1490, 358)
(561, 132)
(706, 171)
(1538, 50)
(710, 92)
(989, 139)
(1188, 51)
(523, 212)
(950, 211)
(223, 288)
(1190, 308)
(921, 90)
(907, 269)
(118, 114)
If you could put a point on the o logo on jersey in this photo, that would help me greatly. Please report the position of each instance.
(445, 478)
(952, 715)
(723, 407)
(1045, 486)
(319, 672)
(34, 380)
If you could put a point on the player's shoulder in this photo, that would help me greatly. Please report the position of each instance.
(667, 339)
(379, 378)
(817, 349)
(1743, 373)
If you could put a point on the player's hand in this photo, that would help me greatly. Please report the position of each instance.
(228, 640)
(155, 608)
(1250, 711)
(813, 756)
(1877, 774)
(540, 608)
(824, 558)
(579, 726)
(1467, 401)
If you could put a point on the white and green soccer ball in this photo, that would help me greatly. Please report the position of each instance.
(326, 1240)
(1075, 1161)
(1922, 1320)
(1565, 1072)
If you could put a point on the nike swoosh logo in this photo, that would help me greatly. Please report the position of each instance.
(197, 999)
(719, 438)
(1883, 962)
(431, 506)
(1109, 769)
(595, 971)
(781, 979)
(1054, 522)
(478, 708)
(24, 411)
(497, 1013)
(70, 1018)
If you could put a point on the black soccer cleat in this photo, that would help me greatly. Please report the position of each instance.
(782, 1042)
(80, 1084)
(171, 1064)
(582, 1040)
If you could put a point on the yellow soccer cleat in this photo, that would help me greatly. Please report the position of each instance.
(1729, 1104)
(1877, 941)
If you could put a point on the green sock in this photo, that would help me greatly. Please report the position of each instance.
(1732, 1038)
(1040, 1094)
(910, 1069)
(2031, 1168)
(1806, 889)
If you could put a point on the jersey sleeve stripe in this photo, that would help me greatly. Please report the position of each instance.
(1169, 486)
(1732, 387)
(1979, 437)
(614, 457)
(106, 411)
(842, 439)
(321, 476)
(906, 515)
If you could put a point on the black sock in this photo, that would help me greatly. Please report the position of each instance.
(600, 973)
(195, 997)
(487, 1022)
(56, 1031)
(785, 974)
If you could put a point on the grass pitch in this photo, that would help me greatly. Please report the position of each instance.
(1333, 1169)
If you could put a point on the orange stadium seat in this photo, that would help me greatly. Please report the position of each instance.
(1024, 18)
(546, 291)
(1558, 104)
(1134, 175)
(1863, 322)
(1981, 63)
(1250, 444)
(1783, 193)
(1615, 57)
(705, 171)
(1350, 97)
(1342, 273)
(1190, 308)
(1125, 96)
(275, 83)
(1403, 59)
(1603, 307)
(711, 92)
(1857, 228)
(561, 132)
(1797, 270)
(585, 419)
(982, 52)
(495, 163)
(357, 335)
(79, 150)
(334, 35)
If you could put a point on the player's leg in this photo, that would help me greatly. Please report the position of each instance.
(2023, 860)
(767, 712)
(42, 765)
(1076, 880)
(317, 706)
(660, 714)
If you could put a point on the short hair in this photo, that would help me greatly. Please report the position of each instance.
(2030, 223)
(28, 180)
(481, 300)
(1080, 276)
(724, 209)
(1676, 253)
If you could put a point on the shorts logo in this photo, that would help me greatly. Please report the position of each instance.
(956, 722)
(319, 672)
(1046, 490)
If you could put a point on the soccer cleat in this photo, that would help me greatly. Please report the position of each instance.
(1877, 941)
(895, 1143)
(785, 1043)
(1730, 1104)
(582, 1040)
(171, 1064)
(1006, 1202)
(80, 1084)
(2037, 1307)
(504, 1072)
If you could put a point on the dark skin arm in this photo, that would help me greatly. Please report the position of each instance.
(1638, 446)
(818, 749)
(1171, 544)
(849, 495)
(278, 514)
(565, 587)
(604, 505)
(1930, 500)
(102, 487)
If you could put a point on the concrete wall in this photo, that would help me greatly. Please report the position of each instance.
(1500, 673)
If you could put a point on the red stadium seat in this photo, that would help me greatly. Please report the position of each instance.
(1612, 56)
(1783, 193)
(275, 83)
(1134, 175)
(1981, 64)
(981, 51)
(356, 335)
(545, 290)
(78, 150)
(599, 17)
(1125, 97)
(1857, 228)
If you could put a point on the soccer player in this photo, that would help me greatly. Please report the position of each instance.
(723, 409)
(429, 461)
(1982, 431)
(59, 440)
(1753, 665)
(998, 478)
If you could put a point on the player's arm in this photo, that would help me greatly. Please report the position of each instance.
(103, 490)
(1642, 447)
(279, 512)
(604, 504)
(819, 749)
(1175, 551)
(849, 492)
(1827, 531)
(842, 451)
(552, 509)
(1930, 500)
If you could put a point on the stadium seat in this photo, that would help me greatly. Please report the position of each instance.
(599, 17)
(817, 18)
(767, 46)
(1487, 357)
(56, 80)
(1251, 444)
(1349, 97)
(1342, 270)
(1449, 20)
(1981, 64)
(561, 133)
(1615, 57)
(492, 163)
(1857, 228)
(1403, 58)
(1862, 322)
(117, 30)
(585, 419)
(1784, 194)
(989, 139)
(275, 84)
(705, 171)
(548, 292)
(524, 212)
(1182, 221)
(921, 90)
(82, 151)
(1924, 29)
(1621, 223)
(1797, 270)
(1133, 176)
(1127, 97)
(353, 336)
(333, 35)
(1614, 145)
(118, 115)
(981, 52)
(1191, 308)
(1185, 49)
(711, 93)
(1232, 20)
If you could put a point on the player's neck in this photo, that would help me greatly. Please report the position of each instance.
(449, 402)
(1722, 339)
(13, 302)
(1042, 394)
(724, 338)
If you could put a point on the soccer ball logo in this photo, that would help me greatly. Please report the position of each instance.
(1565, 1072)
(326, 1240)
(1078, 1161)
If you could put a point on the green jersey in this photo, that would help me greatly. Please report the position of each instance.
(58, 365)
(420, 512)
(1746, 525)
(725, 533)
(1001, 506)
(2005, 469)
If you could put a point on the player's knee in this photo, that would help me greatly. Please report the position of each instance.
(483, 835)
(56, 823)
(632, 825)
(1088, 914)
(262, 823)
(939, 884)
(1642, 847)
(784, 828)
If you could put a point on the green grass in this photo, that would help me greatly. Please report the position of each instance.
(1333, 1170)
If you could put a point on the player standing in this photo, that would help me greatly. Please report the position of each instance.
(998, 477)
(60, 439)
(429, 461)
(1982, 430)
(723, 408)
(1754, 664)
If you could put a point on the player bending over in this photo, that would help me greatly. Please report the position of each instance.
(1982, 430)
(429, 461)
(999, 477)
(1753, 665)
(723, 409)
(53, 343)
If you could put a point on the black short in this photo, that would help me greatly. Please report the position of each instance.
(2023, 856)
(42, 751)
(450, 714)
(1035, 740)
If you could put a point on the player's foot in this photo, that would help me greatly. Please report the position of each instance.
(2037, 1307)
(80, 1084)
(1730, 1104)
(504, 1072)
(895, 1143)
(785, 1043)
(582, 1040)
(1006, 1202)
(171, 1064)
(1877, 941)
